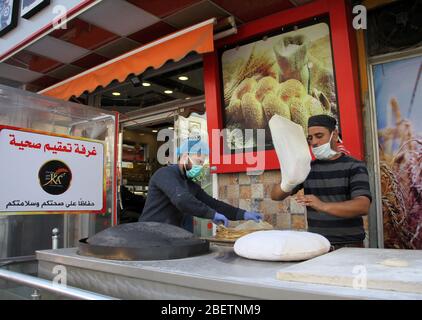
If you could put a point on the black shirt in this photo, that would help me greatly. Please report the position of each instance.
(171, 196)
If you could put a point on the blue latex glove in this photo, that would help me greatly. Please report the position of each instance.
(218, 217)
(255, 216)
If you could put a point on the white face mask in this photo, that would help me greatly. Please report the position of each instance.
(324, 152)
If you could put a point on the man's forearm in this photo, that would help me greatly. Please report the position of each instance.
(231, 212)
(277, 194)
(348, 209)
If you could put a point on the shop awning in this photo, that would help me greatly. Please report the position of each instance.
(198, 38)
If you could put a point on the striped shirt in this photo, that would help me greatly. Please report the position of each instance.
(334, 181)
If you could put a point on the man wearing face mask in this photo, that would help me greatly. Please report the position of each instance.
(173, 193)
(336, 191)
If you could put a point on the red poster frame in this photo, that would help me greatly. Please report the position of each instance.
(346, 74)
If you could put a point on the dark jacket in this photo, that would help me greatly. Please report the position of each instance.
(171, 196)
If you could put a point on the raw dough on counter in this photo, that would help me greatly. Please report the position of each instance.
(277, 245)
(252, 225)
(242, 229)
(395, 263)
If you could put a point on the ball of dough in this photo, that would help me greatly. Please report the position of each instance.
(276, 245)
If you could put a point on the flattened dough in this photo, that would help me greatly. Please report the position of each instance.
(395, 263)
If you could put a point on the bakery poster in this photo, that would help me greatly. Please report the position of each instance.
(399, 123)
(289, 74)
(48, 173)
(8, 15)
(31, 7)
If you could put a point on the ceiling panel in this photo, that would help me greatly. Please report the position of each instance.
(31, 61)
(57, 49)
(89, 61)
(84, 34)
(117, 48)
(300, 2)
(248, 10)
(163, 8)
(44, 81)
(10, 83)
(151, 33)
(119, 17)
(18, 74)
(66, 71)
(195, 14)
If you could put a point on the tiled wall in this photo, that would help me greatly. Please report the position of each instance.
(254, 193)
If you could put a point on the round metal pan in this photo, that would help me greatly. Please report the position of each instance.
(177, 250)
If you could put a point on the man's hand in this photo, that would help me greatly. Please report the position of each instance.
(312, 201)
(220, 218)
(255, 216)
(356, 207)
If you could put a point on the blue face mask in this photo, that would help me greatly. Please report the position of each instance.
(195, 171)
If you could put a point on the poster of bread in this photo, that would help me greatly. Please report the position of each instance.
(290, 74)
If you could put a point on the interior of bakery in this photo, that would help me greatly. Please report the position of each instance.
(168, 98)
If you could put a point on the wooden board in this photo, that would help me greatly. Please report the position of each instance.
(359, 268)
(221, 242)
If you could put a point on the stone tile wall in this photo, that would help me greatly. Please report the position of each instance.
(253, 192)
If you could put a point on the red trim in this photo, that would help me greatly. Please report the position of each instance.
(103, 209)
(346, 72)
(48, 27)
(116, 145)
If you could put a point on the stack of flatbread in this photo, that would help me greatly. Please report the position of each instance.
(242, 229)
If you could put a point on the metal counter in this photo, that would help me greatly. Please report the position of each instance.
(221, 274)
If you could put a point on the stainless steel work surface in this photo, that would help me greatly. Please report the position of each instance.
(220, 274)
(384, 269)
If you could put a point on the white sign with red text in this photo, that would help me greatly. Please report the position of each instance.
(42, 172)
